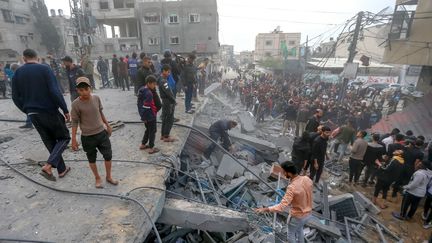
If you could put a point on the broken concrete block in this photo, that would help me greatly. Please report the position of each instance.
(252, 141)
(329, 230)
(250, 177)
(211, 88)
(199, 216)
(243, 240)
(277, 170)
(366, 203)
(261, 237)
(247, 121)
(211, 171)
(231, 168)
(235, 183)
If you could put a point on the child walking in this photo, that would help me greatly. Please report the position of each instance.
(95, 130)
(148, 112)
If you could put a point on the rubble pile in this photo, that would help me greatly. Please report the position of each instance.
(252, 178)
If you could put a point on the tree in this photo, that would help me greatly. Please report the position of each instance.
(50, 37)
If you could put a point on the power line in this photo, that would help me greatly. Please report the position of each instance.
(274, 20)
(289, 10)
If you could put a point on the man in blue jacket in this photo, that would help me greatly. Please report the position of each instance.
(219, 131)
(35, 92)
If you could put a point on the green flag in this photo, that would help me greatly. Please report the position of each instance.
(284, 49)
(293, 52)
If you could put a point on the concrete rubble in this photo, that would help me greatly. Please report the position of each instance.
(252, 178)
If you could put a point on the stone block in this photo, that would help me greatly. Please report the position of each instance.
(230, 168)
(247, 121)
(233, 185)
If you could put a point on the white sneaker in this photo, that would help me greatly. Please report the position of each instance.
(424, 217)
(427, 225)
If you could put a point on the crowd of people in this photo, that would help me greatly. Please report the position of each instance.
(38, 92)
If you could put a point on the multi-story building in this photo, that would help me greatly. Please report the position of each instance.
(410, 41)
(65, 30)
(371, 43)
(246, 57)
(271, 45)
(152, 26)
(325, 49)
(226, 54)
(17, 30)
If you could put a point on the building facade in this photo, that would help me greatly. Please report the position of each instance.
(271, 45)
(410, 41)
(226, 54)
(65, 30)
(325, 49)
(246, 57)
(152, 26)
(17, 30)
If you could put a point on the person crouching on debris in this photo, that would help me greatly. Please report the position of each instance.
(387, 175)
(219, 130)
(298, 198)
(148, 112)
(168, 104)
(95, 130)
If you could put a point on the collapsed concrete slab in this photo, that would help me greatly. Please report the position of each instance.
(247, 121)
(230, 168)
(328, 230)
(202, 217)
(211, 88)
(366, 203)
(252, 141)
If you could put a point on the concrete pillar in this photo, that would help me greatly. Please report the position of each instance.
(112, 31)
(127, 29)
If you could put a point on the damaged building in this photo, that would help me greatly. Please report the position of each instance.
(126, 26)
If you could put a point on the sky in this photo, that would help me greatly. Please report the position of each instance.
(241, 20)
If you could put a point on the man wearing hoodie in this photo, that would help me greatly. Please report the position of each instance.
(373, 158)
(387, 175)
(414, 191)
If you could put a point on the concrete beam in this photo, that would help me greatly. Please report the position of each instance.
(252, 141)
(202, 217)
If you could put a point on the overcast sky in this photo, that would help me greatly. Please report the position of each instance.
(241, 20)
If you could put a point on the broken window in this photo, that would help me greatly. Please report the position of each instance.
(123, 47)
(402, 21)
(104, 5)
(174, 40)
(23, 39)
(152, 18)
(7, 15)
(194, 18)
(153, 41)
(269, 43)
(173, 19)
(118, 3)
(20, 20)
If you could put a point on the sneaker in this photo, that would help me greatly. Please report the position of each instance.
(26, 127)
(190, 112)
(424, 216)
(397, 216)
(427, 225)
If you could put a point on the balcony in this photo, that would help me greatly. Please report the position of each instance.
(114, 13)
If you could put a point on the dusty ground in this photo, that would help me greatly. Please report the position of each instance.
(32, 212)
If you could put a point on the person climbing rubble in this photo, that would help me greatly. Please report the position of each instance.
(219, 131)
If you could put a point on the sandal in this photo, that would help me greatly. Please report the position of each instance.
(65, 172)
(153, 150)
(112, 182)
(48, 176)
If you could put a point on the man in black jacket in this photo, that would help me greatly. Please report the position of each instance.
(144, 72)
(219, 131)
(115, 70)
(168, 104)
(373, 158)
(189, 81)
(319, 153)
(314, 121)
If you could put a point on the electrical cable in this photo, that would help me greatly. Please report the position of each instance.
(86, 194)
(21, 240)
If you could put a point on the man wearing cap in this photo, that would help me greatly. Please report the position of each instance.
(36, 93)
(73, 72)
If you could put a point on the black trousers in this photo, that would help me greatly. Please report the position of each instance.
(167, 118)
(402, 181)
(410, 202)
(427, 207)
(369, 173)
(356, 167)
(316, 173)
(383, 186)
(116, 80)
(55, 135)
(150, 133)
(124, 81)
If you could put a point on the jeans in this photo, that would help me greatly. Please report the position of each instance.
(295, 228)
(167, 118)
(150, 133)
(28, 121)
(105, 80)
(188, 97)
(214, 136)
(55, 135)
(355, 167)
(342, 149)
(409, 201)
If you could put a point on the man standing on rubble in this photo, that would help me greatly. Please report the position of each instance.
(298, 198)
(319, 154)
(219, 130)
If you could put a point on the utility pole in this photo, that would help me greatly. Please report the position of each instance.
(352, 52)
(306, 55)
